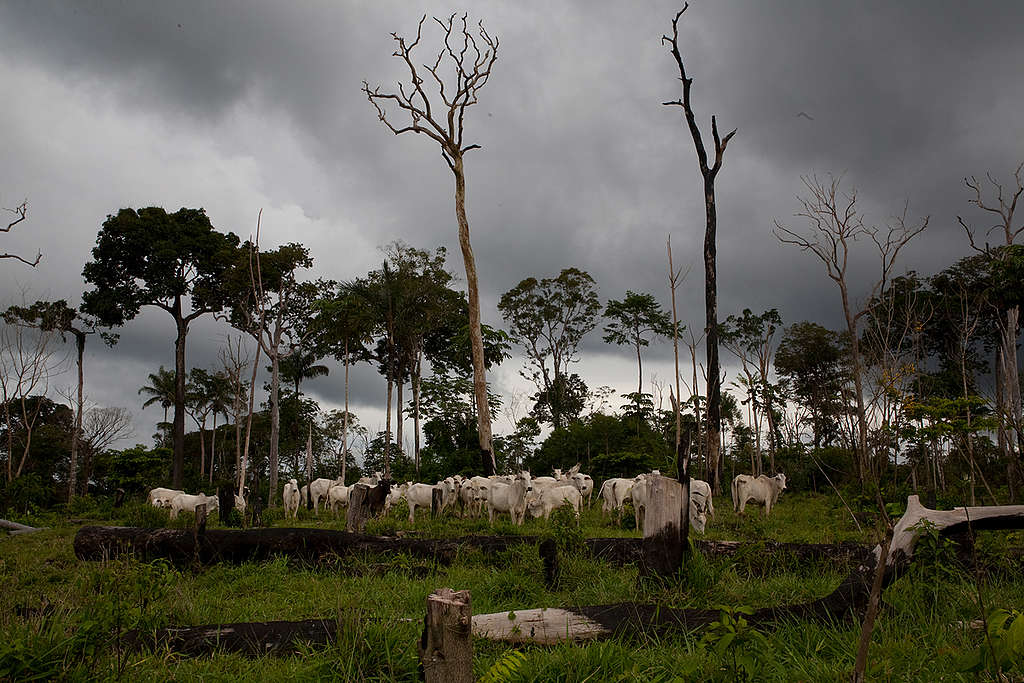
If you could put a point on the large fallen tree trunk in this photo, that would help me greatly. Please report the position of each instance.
(314, 545)
(548, 625)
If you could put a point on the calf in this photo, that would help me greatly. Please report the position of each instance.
(763, 490)
(541, 502)
(185, 501)
(290, 498)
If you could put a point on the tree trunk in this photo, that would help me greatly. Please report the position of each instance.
(213, 445)
(248, 433)
(399, 419)
(387, 431)
(714, 411)
(416, 407)
(344, 421)
(858, 384)
(76, 436)
(275, 418)
(476, 339)
(178, 431)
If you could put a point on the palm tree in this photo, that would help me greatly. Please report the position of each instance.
(160, 389)
(301, 364)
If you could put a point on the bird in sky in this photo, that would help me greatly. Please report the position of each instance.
(805, 115)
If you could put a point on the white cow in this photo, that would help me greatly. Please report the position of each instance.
(584, 484)
(510, 498)
(186, 501)
(449, 492)
(161, 497)
(474, 494)
(240, 504)
(540, 503)
(700, 491)
(320, 489)
(420, 495)
(613, 494)
(337, 496)
(541, 483)
(396, 494)
(372, 480)
(763, 490)
(291, 499)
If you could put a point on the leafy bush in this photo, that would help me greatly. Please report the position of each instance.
(145, 516)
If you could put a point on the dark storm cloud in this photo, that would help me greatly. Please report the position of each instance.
(581, 164)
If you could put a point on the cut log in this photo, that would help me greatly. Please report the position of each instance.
(446, 649)
(314, 545)
(251, 638)
(16, 528)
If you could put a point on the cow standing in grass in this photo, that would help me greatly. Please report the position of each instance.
(763, 490)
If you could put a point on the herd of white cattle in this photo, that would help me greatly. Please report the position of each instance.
(520, 496)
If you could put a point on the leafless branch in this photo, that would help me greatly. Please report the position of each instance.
(20, 211)
(1003, 207)
(470, 57)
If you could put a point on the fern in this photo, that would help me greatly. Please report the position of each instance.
(505, 668)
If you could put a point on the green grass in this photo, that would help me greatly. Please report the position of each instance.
(59, 617)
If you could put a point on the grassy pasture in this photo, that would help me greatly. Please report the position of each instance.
(59, 618)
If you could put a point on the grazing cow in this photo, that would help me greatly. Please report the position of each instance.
(541, 483)
(540, 503)
(449, 492)
(613, 494)
(291, 499)
(337, 496)
(161, 497)
(185, 501)
(510, 498)
(763, 490)
(319, 488)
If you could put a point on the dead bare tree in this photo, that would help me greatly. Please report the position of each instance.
(234, 359)
(20, 211)
(709, 172)
(28, 361)
(471, 57)
(1008, 397)
(835, 224)
(101, 427)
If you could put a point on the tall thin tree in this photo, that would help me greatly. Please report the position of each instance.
(709, 173)
(472, 58)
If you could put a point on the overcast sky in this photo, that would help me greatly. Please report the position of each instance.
(242, 106)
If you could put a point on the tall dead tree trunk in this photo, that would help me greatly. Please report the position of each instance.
(714, 410)
(472, 58)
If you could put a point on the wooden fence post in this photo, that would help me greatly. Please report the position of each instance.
(199, 530)
(662, 540)
(446, 647)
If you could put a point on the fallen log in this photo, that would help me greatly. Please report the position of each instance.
(251, 638)
(16, 528)
(316, 545)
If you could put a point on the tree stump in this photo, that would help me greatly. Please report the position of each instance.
(446, 647)
(662, 537)
(358, 509)
(549, 556)
(436, 502)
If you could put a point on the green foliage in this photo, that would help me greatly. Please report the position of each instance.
(136, 470)
(1003, 648)
(736, 643)
(564, 528)
(505, 669)
(145, 516)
